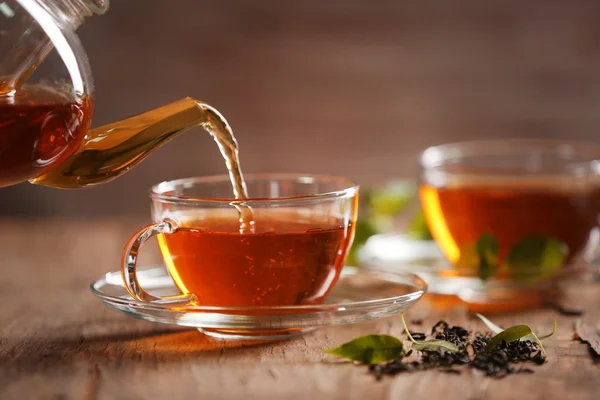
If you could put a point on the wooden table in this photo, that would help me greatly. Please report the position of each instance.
(58, 342)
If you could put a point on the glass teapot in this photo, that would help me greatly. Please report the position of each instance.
(44, 124)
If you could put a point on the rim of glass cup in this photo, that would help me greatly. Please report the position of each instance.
(349, 188)
(444, 164)
(444, 154)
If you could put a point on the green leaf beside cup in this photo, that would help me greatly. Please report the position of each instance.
(533, 258)
(537, 257)
(487, 249)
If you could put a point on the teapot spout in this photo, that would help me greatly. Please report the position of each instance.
(110, 151)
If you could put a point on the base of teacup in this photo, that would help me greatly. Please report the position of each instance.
(255, 334)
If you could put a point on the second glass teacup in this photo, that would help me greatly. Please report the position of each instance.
(512, 214)
(292, 254)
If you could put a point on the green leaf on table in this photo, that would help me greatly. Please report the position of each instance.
(369, 349)
(496, 329)
(417, 228)
(432, 344)
(541, 254)
(512, 334)
(487, 248)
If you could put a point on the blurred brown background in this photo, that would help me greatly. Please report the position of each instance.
(350, 87)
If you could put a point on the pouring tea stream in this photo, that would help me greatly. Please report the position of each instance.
(44, 127)
(81, 157)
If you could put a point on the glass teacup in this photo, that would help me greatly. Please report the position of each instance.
(512, 213)
(291, 253)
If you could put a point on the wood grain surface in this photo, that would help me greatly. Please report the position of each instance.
(58, 342)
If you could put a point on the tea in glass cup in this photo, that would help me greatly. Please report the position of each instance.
(519, 211)
(290, 253)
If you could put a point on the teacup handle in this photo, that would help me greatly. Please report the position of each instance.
(129, 264)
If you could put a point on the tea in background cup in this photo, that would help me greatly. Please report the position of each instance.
(515, 210)
(292, 254)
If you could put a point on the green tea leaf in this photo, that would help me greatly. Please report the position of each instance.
(496, 329)
(432, 344)
(369, 349)
(541, 254)
(511, 334)
(487, 248)
(417, 228)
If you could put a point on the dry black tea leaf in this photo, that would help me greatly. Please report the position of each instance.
(513, 334)
(450, 349)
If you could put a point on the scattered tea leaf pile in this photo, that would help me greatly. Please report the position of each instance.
(501, 359)
(449, 349)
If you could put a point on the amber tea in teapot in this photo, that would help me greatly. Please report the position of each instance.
(44, 136)
(39, 129)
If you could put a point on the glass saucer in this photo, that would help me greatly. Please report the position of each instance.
(359, 295)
